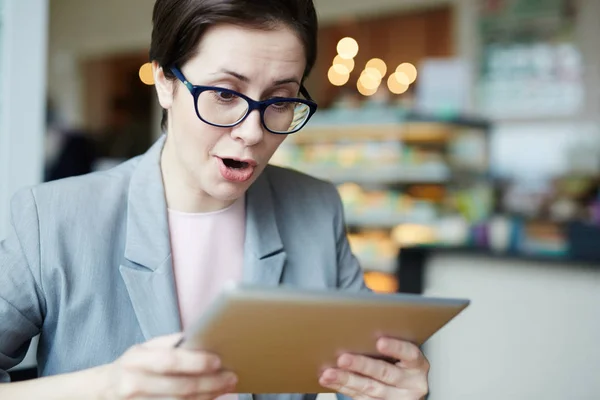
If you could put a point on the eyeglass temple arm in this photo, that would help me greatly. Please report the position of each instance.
(182, 78)
(305, 93)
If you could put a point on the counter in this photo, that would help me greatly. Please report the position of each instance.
(531, 331)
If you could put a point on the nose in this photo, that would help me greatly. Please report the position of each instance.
(250, 130)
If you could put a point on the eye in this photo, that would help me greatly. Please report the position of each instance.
(283, 105)
(224, 96)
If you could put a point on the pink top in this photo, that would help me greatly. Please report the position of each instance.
(208, 252)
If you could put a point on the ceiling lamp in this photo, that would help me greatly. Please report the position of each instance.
(409, 70)
(347, 48)
(379, 65)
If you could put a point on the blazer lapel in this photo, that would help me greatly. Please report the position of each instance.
(264, 255)
(147, 270)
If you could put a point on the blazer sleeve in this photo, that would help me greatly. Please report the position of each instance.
(22, 303)
(350, 273)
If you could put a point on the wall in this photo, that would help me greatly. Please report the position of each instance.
(81, 29)
(22, 110)
(531, 331)
(411, 37)
(22, 103)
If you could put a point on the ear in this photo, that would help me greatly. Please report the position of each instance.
(164, 87)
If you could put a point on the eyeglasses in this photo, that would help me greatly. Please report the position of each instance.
(227, 108)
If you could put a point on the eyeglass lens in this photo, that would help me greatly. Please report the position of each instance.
(225, 108)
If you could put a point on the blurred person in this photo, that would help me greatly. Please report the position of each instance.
(68, 152)
(128, 133)
(110, 267)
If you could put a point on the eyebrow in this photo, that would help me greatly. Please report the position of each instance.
(245, 79)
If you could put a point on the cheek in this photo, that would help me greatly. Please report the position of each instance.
(199, 141)
(183, 109)
(195, 139)
(272, 142)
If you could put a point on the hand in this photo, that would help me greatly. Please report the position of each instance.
(158, 369)
(364, 378)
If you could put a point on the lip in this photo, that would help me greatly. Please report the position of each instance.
(236, 175)
(248, 161)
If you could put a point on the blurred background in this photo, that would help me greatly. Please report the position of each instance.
(463, 135)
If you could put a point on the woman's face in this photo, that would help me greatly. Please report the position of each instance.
(258, 63)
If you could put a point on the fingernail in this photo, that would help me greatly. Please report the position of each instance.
(345, 361)
(232, 380)
(384, 344)
(329, 376)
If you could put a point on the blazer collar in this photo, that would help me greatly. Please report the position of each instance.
(148, 270)
(264, 255)
(148, 243)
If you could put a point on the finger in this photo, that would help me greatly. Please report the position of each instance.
(382, 371)
(410, 356)
(150, 385)
(166, 341)
(170, 361)
(353, 385)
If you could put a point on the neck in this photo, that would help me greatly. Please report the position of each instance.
(182, 191)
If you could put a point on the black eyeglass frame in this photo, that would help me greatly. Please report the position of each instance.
(261, 106)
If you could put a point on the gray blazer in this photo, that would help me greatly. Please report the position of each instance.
(87, 264)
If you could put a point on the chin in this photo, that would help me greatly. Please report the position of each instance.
(227, 191)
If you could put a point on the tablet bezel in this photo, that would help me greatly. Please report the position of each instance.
(239, 308)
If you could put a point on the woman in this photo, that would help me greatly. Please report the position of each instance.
(108, 267)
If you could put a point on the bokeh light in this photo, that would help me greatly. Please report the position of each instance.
(397, 86)
(373, 72)
(338, 75)
(347, 48)
(340, 69)
(402, 78)
(146, 75)
(370, 79)
(348, 63)
(364, 91)
(409, 70)
(379, 65)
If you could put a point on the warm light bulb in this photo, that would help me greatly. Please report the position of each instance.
(365, 91)
(347, 48)
(340, 69)
(402, 78)
(146, 74)
(370, 79)
(348, 63)
(395, 85)
(410, 71)
(379, 65)
(373, 72)
(337, 77)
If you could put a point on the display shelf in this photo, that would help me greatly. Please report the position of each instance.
(425, 132)
(384, 220)
(397, 173)
(389, 174)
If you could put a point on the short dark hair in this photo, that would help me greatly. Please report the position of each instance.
(178, 26)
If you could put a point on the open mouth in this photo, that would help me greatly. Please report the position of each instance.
(235, 164)
(236, 170)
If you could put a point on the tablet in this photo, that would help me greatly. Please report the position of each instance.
(278, 339)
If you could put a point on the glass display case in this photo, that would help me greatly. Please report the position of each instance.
(404, 179)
